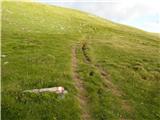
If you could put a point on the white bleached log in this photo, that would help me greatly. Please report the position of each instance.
(58, 90)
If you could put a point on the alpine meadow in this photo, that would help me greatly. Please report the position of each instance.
(110, 71)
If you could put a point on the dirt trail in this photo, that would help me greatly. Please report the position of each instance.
(82, 98)
(107, 83)
(116, 91)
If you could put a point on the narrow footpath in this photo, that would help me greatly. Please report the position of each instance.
(82, 98)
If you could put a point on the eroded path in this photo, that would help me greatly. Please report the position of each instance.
(82, 98)
(116, 91)
(107, 82)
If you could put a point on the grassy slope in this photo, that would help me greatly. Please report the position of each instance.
(37, 40)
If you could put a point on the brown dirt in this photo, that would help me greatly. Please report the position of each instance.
(82, 98)
(115, 90)
(107, 82)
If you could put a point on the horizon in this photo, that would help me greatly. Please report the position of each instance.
(142, 15)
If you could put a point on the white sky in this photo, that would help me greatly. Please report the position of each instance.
(143, 14)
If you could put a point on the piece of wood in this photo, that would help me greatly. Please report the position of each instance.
(58, 90)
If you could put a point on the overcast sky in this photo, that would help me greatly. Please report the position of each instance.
(143, 14)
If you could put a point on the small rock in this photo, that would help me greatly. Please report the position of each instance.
(5, 63)
(3, 56)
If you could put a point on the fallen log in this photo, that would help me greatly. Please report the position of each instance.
(58, 90)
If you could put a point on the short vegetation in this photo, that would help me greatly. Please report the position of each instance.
(118, 66)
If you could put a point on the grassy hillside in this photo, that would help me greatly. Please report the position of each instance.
(111, 71)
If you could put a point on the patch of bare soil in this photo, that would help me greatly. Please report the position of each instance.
(116, 91)
(82, 98)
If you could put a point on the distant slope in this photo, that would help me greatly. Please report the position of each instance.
(111, 71)
(157, 34)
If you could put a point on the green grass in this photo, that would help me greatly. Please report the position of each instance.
(37, 40)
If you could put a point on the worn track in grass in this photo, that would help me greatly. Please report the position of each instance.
(82, 98)
(107, 82)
